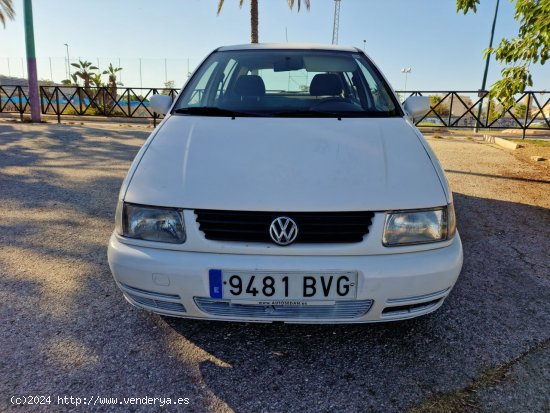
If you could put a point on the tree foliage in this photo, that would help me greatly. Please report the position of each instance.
(493, 110)
(112, 72)
(168, 86)
(6, 11)
(530, 46)
(85, 72)
(440, 105)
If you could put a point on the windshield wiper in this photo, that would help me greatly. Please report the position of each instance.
(326, 114)
(305, 114)
(213, 111)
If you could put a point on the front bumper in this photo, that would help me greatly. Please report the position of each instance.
(390, 287)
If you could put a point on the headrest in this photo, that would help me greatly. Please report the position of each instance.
(249, 85)
(325, 84)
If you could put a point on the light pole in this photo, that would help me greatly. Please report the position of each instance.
(364, 45)
(34, 97)
(68, 63)
(406, 71)
(140, 79)
(482, 91)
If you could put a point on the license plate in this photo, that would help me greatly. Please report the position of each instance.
(279, 287)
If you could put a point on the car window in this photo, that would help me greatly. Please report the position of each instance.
(379, 98)
(223, 84)
(196, 97)
(288, 83)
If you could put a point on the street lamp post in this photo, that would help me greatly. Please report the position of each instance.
(483, 84)
(68, 63)
(406, 71)
(364, 45)
(32, 75)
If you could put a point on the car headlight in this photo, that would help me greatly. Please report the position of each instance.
(148, 223)
(419, 227)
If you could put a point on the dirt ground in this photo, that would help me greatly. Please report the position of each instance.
(531, 146)
(65, 329)
(529, 149)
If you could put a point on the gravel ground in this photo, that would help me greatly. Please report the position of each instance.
(66, 331)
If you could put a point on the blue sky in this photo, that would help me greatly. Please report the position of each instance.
(443, 48)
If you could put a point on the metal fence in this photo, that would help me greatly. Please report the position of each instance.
(79, 101)
(100, 101)
(453, 109)
(449, 109)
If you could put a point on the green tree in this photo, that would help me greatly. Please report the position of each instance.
(440, 105)
(254, 14)
(530, 46)
(99, 101)
(112, 82)
(520, 110)
(96, 79)
(112, 72)
(6, 11)
(85, 72)
(494, 112)
(168, 85)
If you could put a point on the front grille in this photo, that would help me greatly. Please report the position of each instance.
(341, 310)
(313, 227)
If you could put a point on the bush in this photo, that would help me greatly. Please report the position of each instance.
(93, 111)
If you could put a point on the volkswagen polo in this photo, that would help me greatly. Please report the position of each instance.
(286, 183)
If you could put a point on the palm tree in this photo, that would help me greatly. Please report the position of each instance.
(98, 102)
(84, 72)
(96, 80)
(6, 10)
(112, 71)
(254, 14)
(112, 83)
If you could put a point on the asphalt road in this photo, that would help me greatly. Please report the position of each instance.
(66, 331)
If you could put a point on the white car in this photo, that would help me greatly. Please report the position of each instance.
(286, 183)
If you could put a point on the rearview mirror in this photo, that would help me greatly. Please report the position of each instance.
(417, 106)
(288, 63)
(160, 104)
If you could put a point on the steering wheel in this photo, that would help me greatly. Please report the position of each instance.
(332, 99)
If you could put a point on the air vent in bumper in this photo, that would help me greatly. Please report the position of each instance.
(407, 307)
(341, 310)
(152, 300)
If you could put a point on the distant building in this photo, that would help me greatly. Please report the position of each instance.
(460, 108)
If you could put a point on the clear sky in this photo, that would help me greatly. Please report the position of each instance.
(443, 48)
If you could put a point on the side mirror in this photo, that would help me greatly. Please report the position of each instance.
(417, 106)
(160, 103)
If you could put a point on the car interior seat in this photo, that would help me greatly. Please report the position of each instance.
(249, 89)
(325, 84)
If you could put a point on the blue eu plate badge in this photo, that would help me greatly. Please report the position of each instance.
(216, 290)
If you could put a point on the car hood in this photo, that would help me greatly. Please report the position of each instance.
(285, 164)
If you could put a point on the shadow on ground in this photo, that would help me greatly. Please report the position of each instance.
(498, 309)
(67, 331)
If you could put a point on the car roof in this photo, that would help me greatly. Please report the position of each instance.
(287, 46)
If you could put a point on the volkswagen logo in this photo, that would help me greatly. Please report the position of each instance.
(283, 230)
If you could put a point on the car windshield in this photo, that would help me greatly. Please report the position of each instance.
(287, 83)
